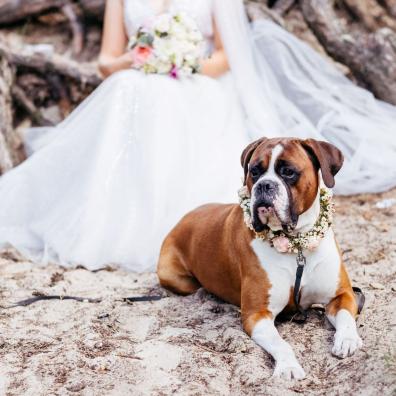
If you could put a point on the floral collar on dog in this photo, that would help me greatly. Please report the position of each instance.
(286, 243)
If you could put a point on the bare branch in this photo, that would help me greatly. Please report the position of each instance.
(75, 26)
(20, 96)
(283, 6)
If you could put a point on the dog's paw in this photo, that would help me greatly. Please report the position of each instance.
(288, 369)
(346, 343)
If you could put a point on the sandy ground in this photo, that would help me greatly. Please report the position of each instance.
(192, 345)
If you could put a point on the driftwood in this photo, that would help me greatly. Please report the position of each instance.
(371, 57)
(6, 77)
(93, 8)
(283, 6)
(55, 71)
(258, 10)
(11, 150)
(84, 74)
(12, 11)
(20, 96)
(371, 14)
(75, 26)
(16, 10)
(390, 5)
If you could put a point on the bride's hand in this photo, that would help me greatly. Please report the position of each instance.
(110, 64)
(216, 65)
(112, 56)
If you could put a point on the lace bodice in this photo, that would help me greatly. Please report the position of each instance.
(137, 11)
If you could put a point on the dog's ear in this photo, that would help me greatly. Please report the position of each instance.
(247, 155)
(326, 157)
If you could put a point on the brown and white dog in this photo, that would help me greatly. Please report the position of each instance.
(213, 248)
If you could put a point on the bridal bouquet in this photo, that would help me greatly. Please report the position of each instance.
(168, 44)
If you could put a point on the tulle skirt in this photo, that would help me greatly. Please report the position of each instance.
(111, 180)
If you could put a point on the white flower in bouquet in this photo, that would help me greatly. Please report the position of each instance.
(169, 44)
(162, 24)
(188, 22)
(194, 36)
(177, 31)
(162, 67)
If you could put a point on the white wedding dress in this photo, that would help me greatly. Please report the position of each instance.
(142, 150)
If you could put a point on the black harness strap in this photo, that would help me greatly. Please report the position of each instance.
(301, 315)
(142, 298)
(360, 298)
(42, 297)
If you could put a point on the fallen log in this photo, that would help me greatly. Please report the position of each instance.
(371, 57)
(12, 11)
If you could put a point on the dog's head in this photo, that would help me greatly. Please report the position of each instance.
(282, 175)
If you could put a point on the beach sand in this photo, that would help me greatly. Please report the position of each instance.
(192, 345)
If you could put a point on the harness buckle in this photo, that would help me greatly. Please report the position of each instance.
(300, 259)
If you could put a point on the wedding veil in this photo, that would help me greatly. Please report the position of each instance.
(256, 85)
(288, 89)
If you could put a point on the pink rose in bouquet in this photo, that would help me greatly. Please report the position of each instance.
(140, 55)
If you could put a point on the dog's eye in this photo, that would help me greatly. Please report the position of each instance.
(255, 173)
(287, 172)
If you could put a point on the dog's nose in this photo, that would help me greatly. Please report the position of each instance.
(265, 211)
(267, 186)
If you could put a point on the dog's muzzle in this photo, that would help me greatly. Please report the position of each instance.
(265, 194)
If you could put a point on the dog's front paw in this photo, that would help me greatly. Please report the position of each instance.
(288, 369)
(346, 343)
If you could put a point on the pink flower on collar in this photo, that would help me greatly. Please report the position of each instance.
(313, 244)
(281, 244)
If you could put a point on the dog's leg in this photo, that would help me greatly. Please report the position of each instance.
(341, 312)
(173, 275)
(286, 365)
(258, 321)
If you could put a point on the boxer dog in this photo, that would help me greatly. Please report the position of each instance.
(212, 247)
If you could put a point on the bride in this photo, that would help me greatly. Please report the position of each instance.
(143, 149)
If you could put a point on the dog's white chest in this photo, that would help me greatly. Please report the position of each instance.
(320, 278)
